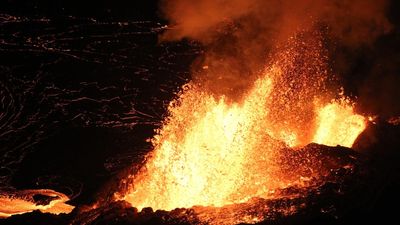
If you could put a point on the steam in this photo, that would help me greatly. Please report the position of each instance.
(239, 34)
(353, 21)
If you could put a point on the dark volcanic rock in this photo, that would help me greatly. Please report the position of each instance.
(121, 212)
(43, 199)
(36, 218)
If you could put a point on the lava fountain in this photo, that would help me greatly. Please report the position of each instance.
(212, 151)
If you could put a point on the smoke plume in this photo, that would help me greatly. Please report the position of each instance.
(353, 21)
(239, 34)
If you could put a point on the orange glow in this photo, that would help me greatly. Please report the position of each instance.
(214, 139)
(338, 124)
(22, 202)
(214, 152)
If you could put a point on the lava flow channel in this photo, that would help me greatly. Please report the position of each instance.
(214, 152)
(20, 202)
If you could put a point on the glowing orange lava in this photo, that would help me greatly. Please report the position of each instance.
(213, 152)
(23, 202)
(338, 124)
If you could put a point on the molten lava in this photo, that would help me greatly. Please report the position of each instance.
(20, 202)
(214, 152)
(338, 124)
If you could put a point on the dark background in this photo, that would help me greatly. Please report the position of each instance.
(102, 9)
(83, 86)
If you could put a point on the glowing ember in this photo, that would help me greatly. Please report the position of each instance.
(24, 202)
(214, 152)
